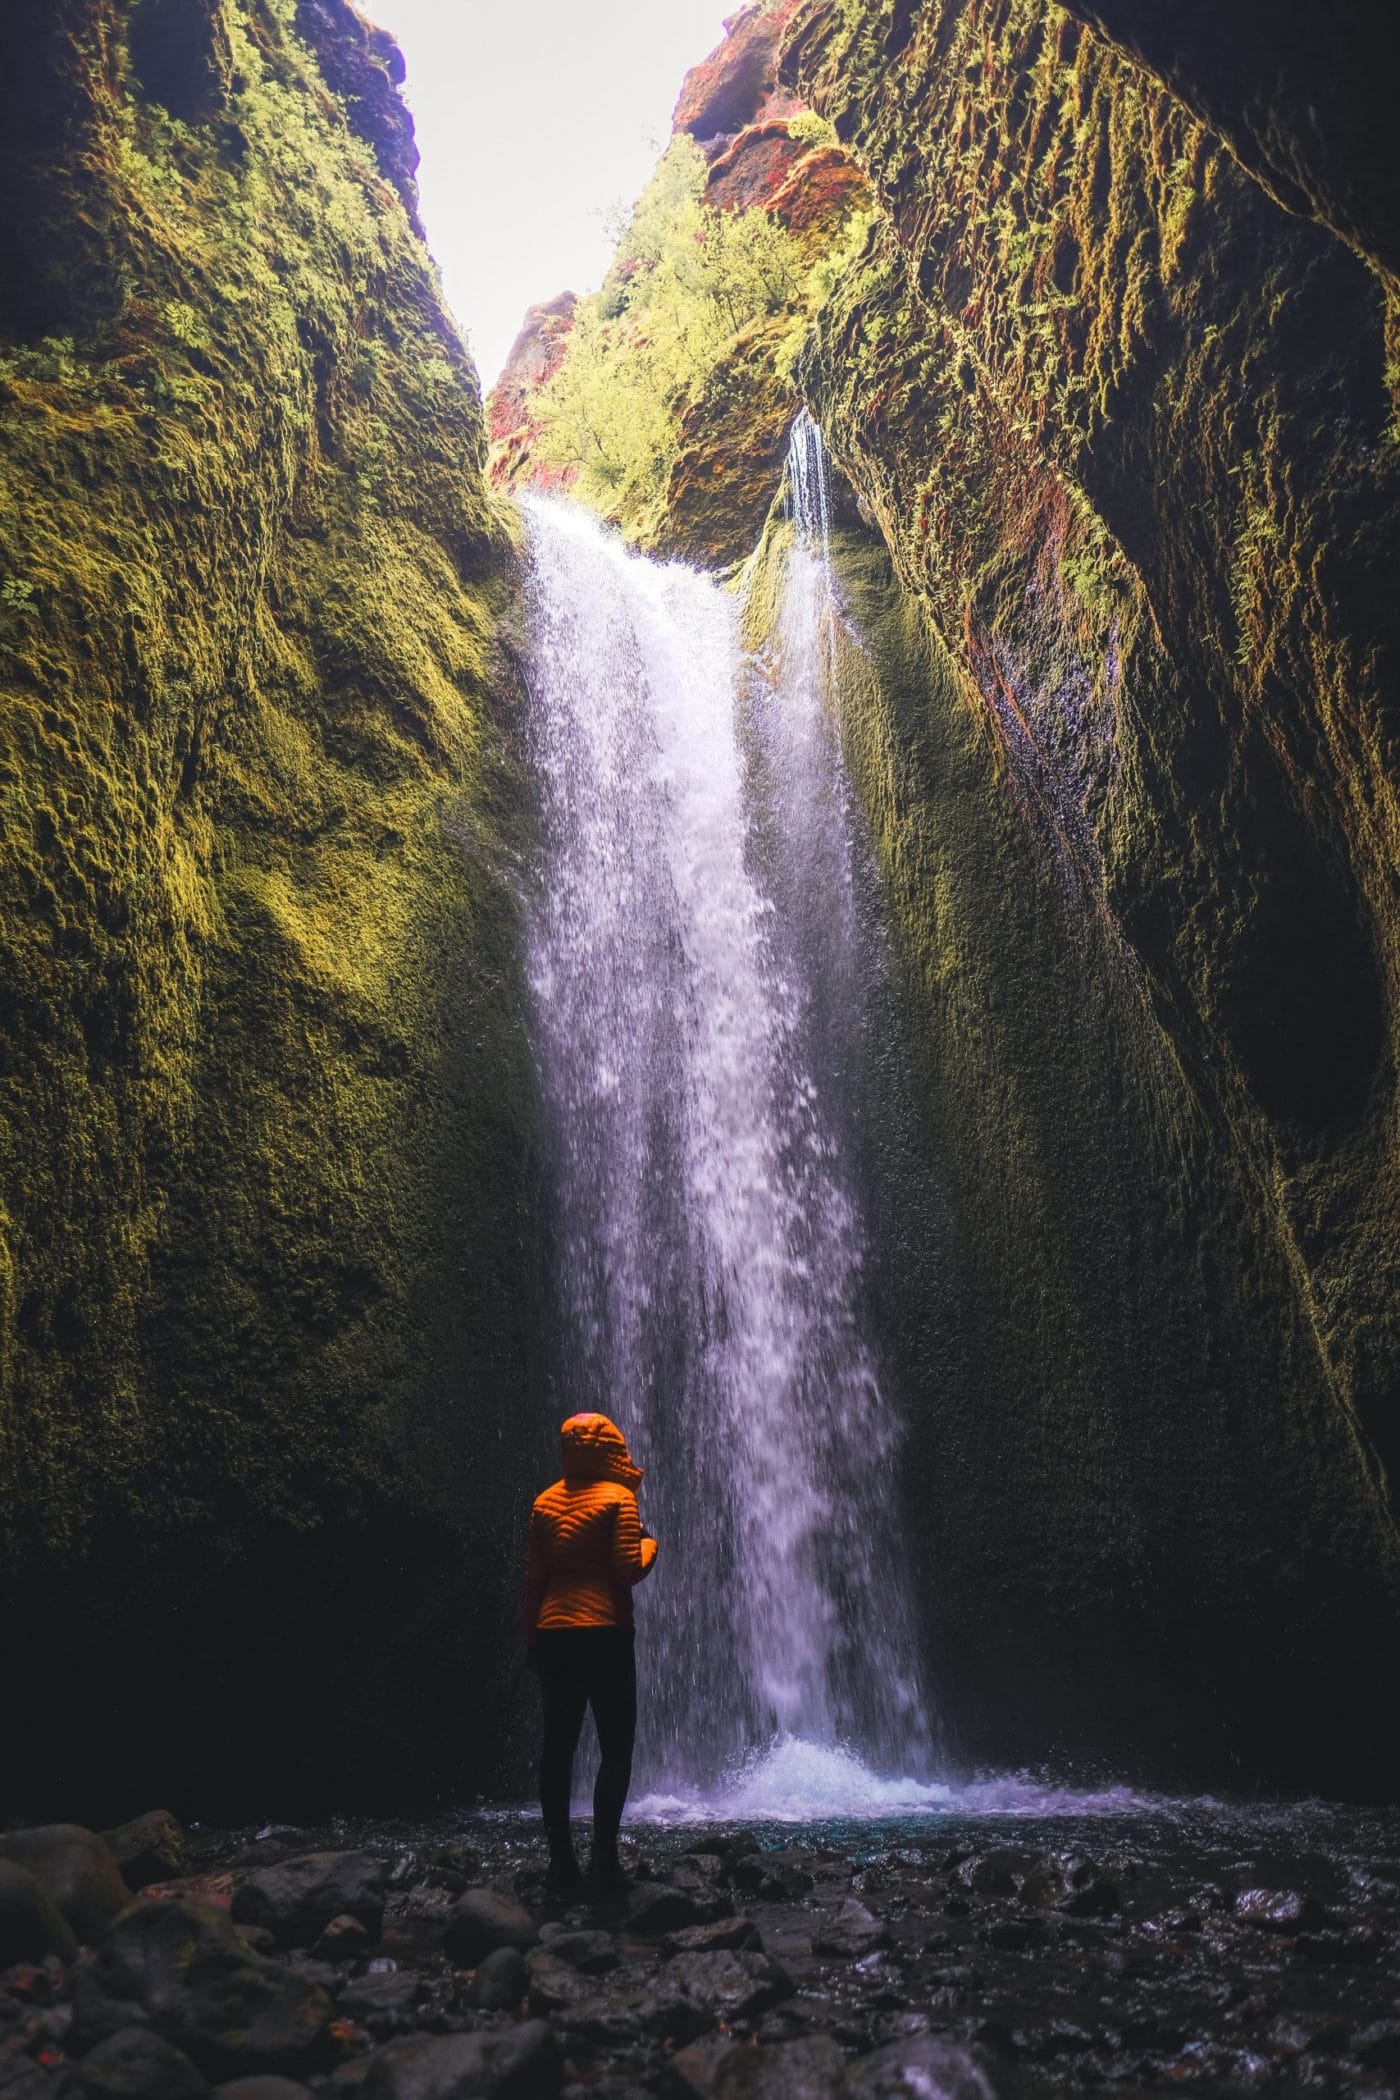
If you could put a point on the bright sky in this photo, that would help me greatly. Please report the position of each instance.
(536, 117)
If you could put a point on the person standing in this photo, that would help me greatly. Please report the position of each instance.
(587, 1551)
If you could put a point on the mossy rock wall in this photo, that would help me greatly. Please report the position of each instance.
(266, 1158)
(1125, 426)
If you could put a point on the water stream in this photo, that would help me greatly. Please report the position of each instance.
(702, 964)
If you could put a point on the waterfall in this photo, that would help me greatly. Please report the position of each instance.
(696, 959)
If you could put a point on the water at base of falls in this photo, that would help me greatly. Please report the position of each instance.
(698, 963)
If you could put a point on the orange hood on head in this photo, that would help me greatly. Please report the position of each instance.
(593, 1448)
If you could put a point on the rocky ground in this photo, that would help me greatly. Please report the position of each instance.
(1224, 1951)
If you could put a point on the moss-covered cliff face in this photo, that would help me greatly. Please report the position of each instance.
(264, 1247)
(1123, 424)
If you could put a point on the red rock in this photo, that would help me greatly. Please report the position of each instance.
(730, 88)
(824, 187)
(535, 356)
(751, 170)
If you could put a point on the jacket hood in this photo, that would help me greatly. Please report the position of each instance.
(593, 1448)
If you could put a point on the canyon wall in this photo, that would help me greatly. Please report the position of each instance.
(267, 1226)
(1110, 392)
(1126, 429)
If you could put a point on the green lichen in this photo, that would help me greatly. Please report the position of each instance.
(266, 1098)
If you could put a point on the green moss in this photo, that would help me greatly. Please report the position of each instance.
(267, 1096)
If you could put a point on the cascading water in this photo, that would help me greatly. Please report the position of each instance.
(697, 961)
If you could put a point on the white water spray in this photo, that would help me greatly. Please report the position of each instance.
(696, 962)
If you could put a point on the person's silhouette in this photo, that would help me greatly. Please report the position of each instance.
(587, 1551)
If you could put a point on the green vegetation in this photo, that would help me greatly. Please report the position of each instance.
(265, 1102)
(687, 285)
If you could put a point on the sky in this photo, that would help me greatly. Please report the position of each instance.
(535, 119)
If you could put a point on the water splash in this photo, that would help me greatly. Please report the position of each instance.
(798, 1782)
(689, 949)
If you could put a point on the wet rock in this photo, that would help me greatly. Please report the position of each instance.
(501, 1981)
(734, 1932)
(1308, 2034)
(297, 1899)
(726, 1845)
(592, 1952)
(657, 1907)
(31, 1926)
(514, 2063)
(382, 2005)
(620, 2017)
(854, 1932)
(992, 1873)
(1358, 1945)
(135, 2064)
(1378, 2045)
(483, 1920)
(76, 1871)
(268, 2086)
(555, 1984)
(185, 1972)
(729, 1985)
(811, 2068)
(1088, 1893)
(344, 1939)
(1277, 1910)
(773, 1879)
(926, 2065)
(149, 1848)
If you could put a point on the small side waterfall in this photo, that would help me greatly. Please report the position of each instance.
(696, 961)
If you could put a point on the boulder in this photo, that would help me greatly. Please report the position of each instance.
(343, 1939)
(184, 1971)
(76, 1871)
(852, 1934)
(513, 2063)
(135, 2064)
(656, 1907)
(729, 1985)
(1278, 1910)
(923, 2063)
(30, 1924)
(812, 2068)
(483, 1920)
(735, 1932)
(591, 1951)
(501, 1981)
(382, 2005)
(149, 1848)
(265, 2086)
(298, 1898)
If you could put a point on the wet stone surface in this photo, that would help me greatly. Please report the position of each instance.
(1200, 1947)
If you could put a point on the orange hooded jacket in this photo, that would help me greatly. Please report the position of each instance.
(586, 1550)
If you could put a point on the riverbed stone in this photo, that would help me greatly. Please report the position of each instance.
(184, 1971)
(152, 1847)
(852, 1934)
(926, 2065)
(736, 1932)
(517, 2063)
(31, 1925)
(77, 1872)
(344, 1939)
(268, 2085)
(1278, 1910)
(482, 1920)
(658, 1907)
(732, 1986)
(136, 2064)
(297, 1899)
(591, 1951)
(500, 1982)
(716, 2068)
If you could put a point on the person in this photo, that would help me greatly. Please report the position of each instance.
(587, 1551)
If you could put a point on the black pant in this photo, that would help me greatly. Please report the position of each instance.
(582, 1666)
